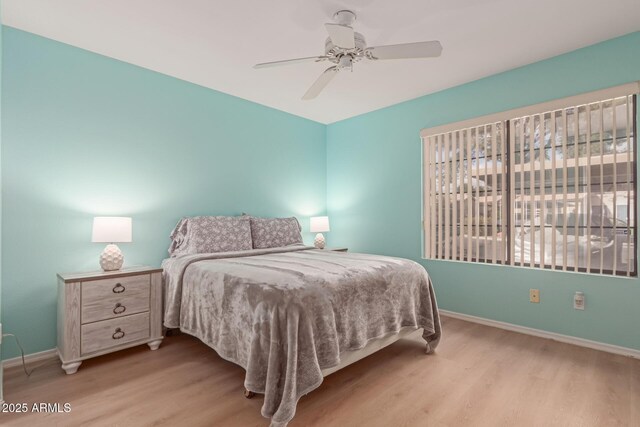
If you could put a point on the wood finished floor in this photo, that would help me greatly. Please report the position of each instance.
(480, 376)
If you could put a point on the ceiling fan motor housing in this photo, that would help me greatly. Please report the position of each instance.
(335, 53)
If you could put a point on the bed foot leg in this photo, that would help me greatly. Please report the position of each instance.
(248, 394)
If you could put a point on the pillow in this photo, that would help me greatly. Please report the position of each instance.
(206, 234)
(178, 236)
(275, 232)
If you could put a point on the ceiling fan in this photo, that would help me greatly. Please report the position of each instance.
(344, 47)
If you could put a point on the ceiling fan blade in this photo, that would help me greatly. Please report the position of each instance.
(320, 83)
(290, 61)
(406, 50)
(341, 35)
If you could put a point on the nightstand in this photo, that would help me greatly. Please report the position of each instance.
(102, 312)
(337, 249)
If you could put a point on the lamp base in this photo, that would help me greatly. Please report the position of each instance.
(319, 241)
(111, 258)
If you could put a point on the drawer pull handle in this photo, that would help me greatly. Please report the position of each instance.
(119, 309)
(119, 333)
(118, 288)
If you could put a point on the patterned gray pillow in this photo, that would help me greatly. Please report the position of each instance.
(275, 232)
(206, 234)
(178, 236)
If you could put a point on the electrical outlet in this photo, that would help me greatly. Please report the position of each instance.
(578, 301)
(534, 295)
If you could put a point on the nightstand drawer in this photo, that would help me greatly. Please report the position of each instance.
(103, 335)
(110, 298)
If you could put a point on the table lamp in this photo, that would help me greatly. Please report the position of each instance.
(319, 224)
(111, 230)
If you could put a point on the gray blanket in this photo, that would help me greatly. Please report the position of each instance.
(284, 314)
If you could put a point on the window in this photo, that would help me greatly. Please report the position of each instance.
(551, 186)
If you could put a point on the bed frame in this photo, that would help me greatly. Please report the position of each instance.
(349, 357)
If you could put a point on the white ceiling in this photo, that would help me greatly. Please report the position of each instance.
(214, 43)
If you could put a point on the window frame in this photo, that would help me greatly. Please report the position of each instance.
(507, 118)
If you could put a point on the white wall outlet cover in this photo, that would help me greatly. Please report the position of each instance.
(578, 301)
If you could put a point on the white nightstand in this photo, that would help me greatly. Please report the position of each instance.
(337, 249)
(102, 312)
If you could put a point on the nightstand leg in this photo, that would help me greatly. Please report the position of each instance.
(71, 368)
(153, 345)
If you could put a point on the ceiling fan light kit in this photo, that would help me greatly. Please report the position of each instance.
(344, 47)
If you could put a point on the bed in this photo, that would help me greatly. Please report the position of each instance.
(292, 315)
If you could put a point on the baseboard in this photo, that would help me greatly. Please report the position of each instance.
(595, 345)
(30, 358)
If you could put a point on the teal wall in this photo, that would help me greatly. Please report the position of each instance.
(86, 135)
(374, 196)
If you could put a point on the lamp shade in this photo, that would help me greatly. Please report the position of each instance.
(319, 224)
(111, 229)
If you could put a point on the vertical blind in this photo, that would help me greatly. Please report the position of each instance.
(553, 190)
(466, 179)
